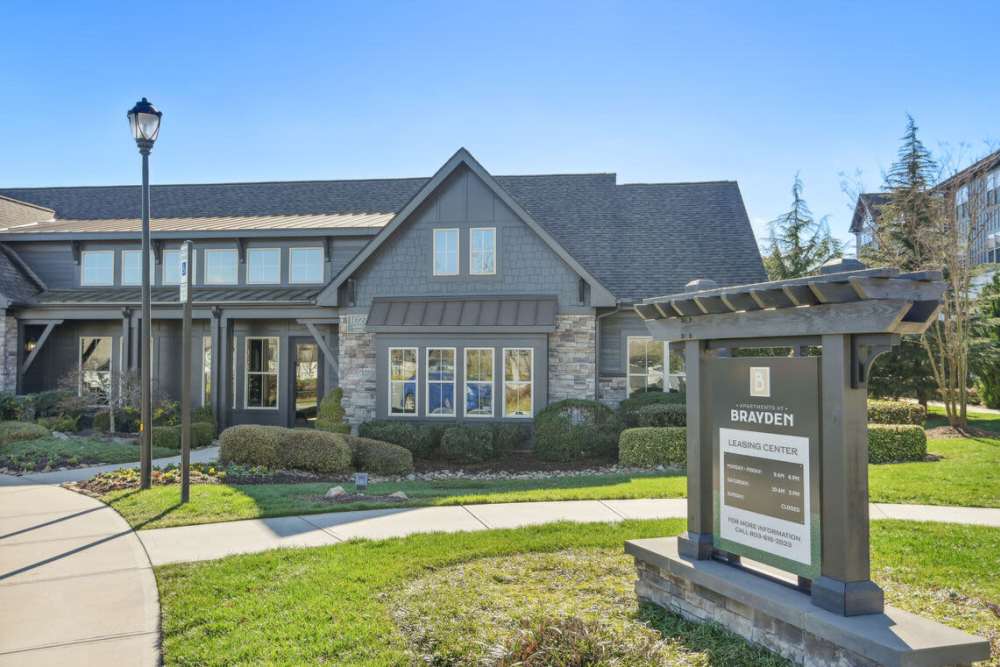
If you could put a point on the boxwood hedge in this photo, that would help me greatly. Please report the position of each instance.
(662, 414)
(380, 458)
(575, 429)
(421, 439)
(629, 408)
(648, 447)
(896, 412)
(467, 444)
(895, 443)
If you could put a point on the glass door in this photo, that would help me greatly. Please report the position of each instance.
(306, 379)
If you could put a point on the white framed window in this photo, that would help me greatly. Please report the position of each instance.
(446, 252)
(261, 375)
(644, 366)
(170, 273)
(305, 265)
(403, 386)
(518, 381)
(206, 370)
(95, 367)
(221, 266)
(264, 266)
(479, 381)
(97, 267)
(483, 251)
(440, 381)
(132, 267)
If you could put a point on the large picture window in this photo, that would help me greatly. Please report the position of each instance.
(517, 381)
(440, 382)
(483, 251)
(305, 265)
(264, 266)
(479, 382)
(97, 267)
(262, 364)
(95, 367)
(645, 364)
(445, 252)
(402, 381)
(221, 267)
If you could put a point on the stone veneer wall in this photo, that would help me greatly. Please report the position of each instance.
(573, 358)
(612, 390)
(700, 604)
(356, 358)
(8, 354)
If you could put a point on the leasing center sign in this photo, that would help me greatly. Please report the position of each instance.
(765, 425)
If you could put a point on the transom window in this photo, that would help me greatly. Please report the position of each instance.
(264, 265)
(440, 382)
(221, 267)
(402, 381)
(95, 367)
(305, 265)
(171, 272)
(97, 267)
(483, 251)
(517, 381)
(262, 365)
(445, 252)
(645, 364)
(479, 382)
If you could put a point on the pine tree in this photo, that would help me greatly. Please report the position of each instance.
(799, 244)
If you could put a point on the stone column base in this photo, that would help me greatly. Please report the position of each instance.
(785, 621)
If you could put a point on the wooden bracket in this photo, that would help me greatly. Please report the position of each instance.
(241, 248)
(49, 326)
(75, 248)
(865, 349)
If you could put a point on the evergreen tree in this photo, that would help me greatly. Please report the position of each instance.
(985, 352)
(799, 244)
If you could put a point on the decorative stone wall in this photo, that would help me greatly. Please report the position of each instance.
(356, 358)
(573, 358)
(8, 354)
(612, 390)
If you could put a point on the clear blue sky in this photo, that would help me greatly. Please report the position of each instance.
(653, 91)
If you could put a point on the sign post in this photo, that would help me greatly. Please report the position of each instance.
(777, 459)
(185, 297)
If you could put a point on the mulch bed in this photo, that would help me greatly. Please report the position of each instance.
(952, 432)
(359, 498)
(522, 461)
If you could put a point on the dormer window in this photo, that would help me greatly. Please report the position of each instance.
(445, 252)
(483, 251)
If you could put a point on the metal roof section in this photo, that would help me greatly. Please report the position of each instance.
(205, 224)
(534, 314)
(853, 301)
(98, 296)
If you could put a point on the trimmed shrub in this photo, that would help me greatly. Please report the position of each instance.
(421, 439)
(467, 444)
(380, 458)
(251, 444)
(202, 433)
(575, 429)
(14, 431)
(896, 412)
(508, 437)
(629, 408)
(51, 403)
(318, 451)
(331, 415)
(895, 443)
(10, 407)
(203, 415)
(62, 424)
(126, 421)
(662, 414)
(648, 447)
(168, 437)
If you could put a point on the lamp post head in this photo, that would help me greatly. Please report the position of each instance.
(144, 119)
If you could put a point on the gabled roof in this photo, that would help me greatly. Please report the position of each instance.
(636, 240)
(600, 295)
(868, 203)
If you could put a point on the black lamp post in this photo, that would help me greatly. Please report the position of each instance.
(144, 120)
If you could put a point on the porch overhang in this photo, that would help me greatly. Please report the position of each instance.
(500, 314)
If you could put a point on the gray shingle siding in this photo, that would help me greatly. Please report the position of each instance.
(402, 266)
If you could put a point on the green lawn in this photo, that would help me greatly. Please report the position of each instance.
(159, 507)
(396, 602)
(983, 420)
(35, 455)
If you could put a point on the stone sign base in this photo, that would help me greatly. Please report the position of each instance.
(785, 621)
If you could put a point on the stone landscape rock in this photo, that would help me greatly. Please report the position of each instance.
(335, 492)
(399, 495)
(58, 435)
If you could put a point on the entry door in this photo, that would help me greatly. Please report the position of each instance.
(307, 379)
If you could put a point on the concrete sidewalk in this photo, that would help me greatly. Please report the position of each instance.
(210, 541)
(203, 455)
(76, 585)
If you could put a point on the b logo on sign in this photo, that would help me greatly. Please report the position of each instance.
(760, 381)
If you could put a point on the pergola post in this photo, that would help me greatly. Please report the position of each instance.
(697, 541)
